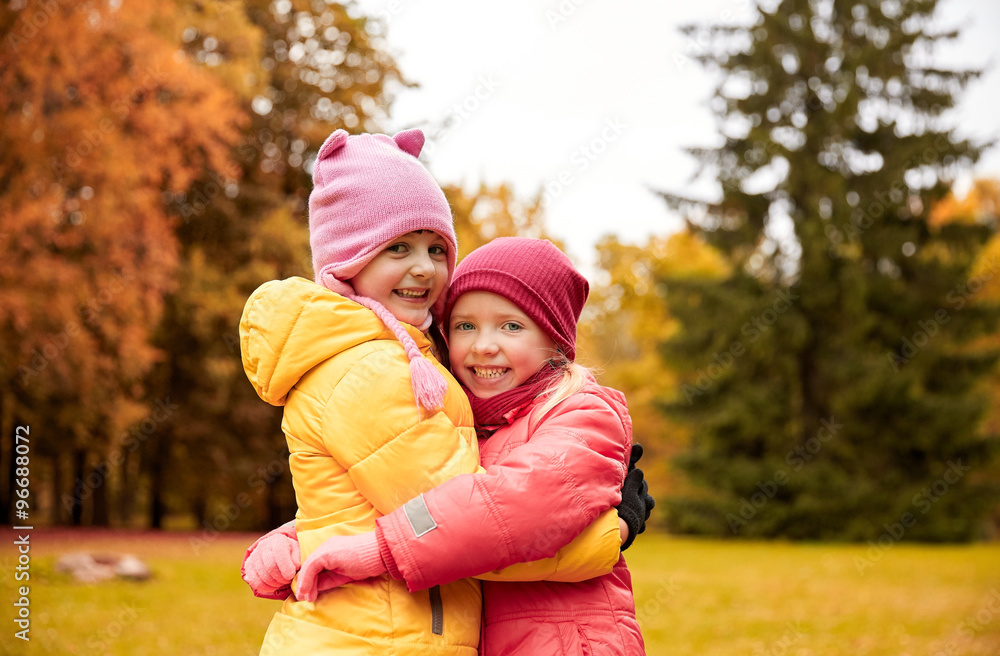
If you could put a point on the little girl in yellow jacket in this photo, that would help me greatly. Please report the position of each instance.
(371, 419)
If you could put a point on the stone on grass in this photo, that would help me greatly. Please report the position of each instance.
(95, 568)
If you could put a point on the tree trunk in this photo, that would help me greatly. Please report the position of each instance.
(79, 489)
(56, 514)
(6, 467)
(99, 498)
(125, 494)
(199, 506)
(274, 505)
(158, 471)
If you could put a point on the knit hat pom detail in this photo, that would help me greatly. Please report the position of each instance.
(410, 141)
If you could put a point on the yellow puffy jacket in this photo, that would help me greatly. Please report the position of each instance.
(360, 448)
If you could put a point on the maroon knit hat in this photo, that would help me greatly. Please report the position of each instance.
(534, 275)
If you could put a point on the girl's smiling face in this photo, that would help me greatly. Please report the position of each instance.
(493, 345)
(407, 276)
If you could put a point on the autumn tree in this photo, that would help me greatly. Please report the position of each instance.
(310, 68)
(491, 212)
(832, 382)
(101, 119)
(156, 170)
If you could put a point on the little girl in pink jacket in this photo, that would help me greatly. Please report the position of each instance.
(554, 444)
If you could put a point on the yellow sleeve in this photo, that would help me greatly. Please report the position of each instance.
(392, 450)
(591, 554)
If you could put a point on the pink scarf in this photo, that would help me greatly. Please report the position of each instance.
(498, 411)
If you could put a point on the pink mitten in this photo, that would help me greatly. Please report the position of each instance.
(271, 562)
(339, 560)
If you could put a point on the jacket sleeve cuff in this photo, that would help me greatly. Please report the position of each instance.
(387, 557)
(394, 532)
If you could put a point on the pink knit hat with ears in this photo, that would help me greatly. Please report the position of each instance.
(369, 189)
(534, 275)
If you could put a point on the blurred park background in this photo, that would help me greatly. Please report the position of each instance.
(809, 345)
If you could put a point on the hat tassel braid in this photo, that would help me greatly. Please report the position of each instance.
(429, 386)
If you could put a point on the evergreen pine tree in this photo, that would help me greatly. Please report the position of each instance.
(833, 382)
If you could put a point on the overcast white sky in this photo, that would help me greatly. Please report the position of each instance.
(597, 99)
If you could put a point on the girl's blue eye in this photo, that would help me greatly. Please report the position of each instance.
(511, 326)
(463, 325)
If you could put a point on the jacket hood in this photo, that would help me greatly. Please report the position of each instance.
(290, 326)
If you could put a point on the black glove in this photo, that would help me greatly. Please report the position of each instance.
(634, 455)
(636, 503)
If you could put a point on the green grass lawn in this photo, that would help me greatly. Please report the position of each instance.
(708, 598)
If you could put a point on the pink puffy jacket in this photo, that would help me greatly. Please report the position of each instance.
(547, 478)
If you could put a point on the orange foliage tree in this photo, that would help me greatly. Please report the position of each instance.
(101, 118)
(311, 68)
(491, 212)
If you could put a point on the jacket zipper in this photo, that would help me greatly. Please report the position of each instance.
(437, 611)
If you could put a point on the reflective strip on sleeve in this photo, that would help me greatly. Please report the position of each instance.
(419, 516)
